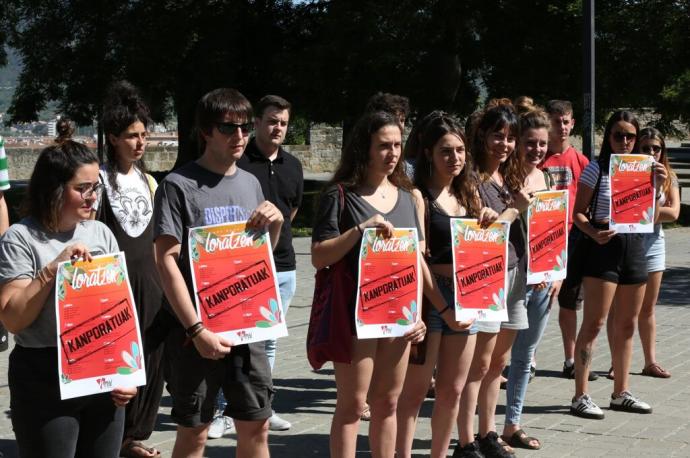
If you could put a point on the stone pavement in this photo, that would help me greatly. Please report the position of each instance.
(307, 399)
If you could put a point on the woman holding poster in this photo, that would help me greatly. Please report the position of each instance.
(652, 142)
(377, 194)
(62, 189)
(126, 207)
(616, 270)
(501, 188)
(444, 175)
(533, 135)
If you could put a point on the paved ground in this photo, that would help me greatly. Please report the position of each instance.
(307, 399)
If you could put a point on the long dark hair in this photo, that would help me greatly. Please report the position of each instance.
(56, 165)
(354, 161)
(123, 107)
(494, 119)
(606, 150)
(463, 186)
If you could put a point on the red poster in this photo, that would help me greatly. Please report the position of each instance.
(99, 342)
(480, 259)
(389, 289)
(547, 232)
(235, 286)
(632, 193)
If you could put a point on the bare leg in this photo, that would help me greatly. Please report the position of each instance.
(252, 439)
(390, 365)
(481, 360)
(490, 386)
(454, 361)
(628, 304)
(413, 394)
(598, 298)
(190, 442)
(647, 320)
(352, 382)
(567, 320)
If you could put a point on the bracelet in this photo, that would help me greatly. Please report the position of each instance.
(194, 329)
(45, 276)
(444, 310)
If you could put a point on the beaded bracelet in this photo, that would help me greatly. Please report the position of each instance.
(194, 329)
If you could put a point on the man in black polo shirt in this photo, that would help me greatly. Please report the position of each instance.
(282, 182)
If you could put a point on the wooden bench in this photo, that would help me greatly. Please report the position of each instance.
(679, 158)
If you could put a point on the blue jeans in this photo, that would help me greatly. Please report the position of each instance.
(287, 284)
(525, 345)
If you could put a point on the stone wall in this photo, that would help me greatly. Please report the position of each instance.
(320, 156)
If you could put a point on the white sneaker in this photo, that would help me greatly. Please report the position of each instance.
(220, 426)
(275, 423)
(586, 408)
(626, 402)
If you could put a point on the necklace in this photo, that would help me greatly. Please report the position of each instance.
(384, 191)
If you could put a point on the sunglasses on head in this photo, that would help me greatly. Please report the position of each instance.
(649, 149)
(229, 128)
(620, 136)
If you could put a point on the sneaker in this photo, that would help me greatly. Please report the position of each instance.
(569, 372)
(626, 402)
(532, 373)
(470, 450)
(491, 448)
(220, 426)
(275, 423)
(586, 408)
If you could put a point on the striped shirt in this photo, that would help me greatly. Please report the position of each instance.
(4, 171)
(600, 203)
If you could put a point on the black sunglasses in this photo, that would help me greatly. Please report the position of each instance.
(648, 149)
(620, 136)
(229, 128)
(87, 190)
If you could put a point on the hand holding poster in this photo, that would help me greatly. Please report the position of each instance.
(547, 235)
(235, 286)
(632, 193)
(99, 342)
(389, 289)
(480, 259)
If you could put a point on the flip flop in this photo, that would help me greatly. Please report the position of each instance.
(128, 450)
(520, 439)
(366, 414)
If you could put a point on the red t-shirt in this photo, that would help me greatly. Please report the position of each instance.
(565, 170)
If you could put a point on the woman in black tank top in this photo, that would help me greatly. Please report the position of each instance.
(444, 174)
(372, 174)
(128, 213)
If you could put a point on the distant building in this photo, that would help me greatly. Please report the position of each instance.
(52, 132)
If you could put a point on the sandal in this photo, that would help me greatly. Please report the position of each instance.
(506, 446)
(654, 370)
(129, 450)
(366, 413)
(520, 439)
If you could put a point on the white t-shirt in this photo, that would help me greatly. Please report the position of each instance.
(131, 203)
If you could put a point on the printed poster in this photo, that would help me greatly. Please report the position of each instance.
(547, 233)
(632, 193)
(235, 285)
(389, 290)
(480, 260)
(99, 341)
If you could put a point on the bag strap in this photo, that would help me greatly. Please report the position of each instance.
(595, 197)
(341, 204)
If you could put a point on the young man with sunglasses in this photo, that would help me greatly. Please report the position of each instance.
(212, 190)
(282, 182)
(565, 165)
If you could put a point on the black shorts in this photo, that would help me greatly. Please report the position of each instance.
(571, 296)
(622, 260)
(193, 382)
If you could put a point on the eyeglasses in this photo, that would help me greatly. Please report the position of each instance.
(624, 136)
(87, 189)
(648, 149)
(229, 128)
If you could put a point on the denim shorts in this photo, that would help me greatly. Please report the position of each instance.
(435, 322)
(517, 309)
(655, 249)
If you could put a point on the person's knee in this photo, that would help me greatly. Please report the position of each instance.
(384, 405)
(192, 438)
(413, 397)
(252, 431)
(448, 394)
(624, 328)
(350, 409)
(590, 330)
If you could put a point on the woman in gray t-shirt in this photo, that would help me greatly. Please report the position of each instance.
(377, 194)
(63, 186)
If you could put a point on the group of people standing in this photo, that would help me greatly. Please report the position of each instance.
(489, 170)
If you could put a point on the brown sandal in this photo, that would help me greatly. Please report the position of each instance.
(654, 370)
(133, 449)
(610, 375)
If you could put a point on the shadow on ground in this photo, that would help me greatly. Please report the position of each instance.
(675, 286)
